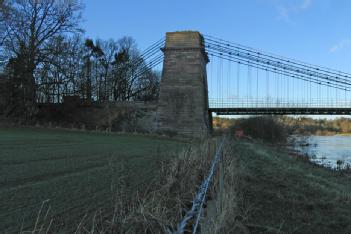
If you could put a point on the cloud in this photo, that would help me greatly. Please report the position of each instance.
(306, 4)
(283, 14)
(287, 9)
(342, 44)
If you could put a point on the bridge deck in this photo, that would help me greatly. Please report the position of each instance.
(280, 111)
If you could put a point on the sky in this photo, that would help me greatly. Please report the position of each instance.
(313, 31)
(316, 32)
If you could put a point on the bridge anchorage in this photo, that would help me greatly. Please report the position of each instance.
(203, 75)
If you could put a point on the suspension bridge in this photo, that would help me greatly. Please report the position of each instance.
(202, 74)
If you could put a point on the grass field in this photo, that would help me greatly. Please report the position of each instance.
(73, 171)
(284, 194)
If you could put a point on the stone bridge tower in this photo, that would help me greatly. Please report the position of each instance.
(183, 100)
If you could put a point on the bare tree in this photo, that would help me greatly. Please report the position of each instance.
(59, 73)
(29, 26)
(148, 86)
(4, 14)
(94, 70)
(109, 48)
(93, 57)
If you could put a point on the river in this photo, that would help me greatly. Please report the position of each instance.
(326, 150)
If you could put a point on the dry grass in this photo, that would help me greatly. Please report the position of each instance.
(226, 213)
(257, 189)
(158, 208)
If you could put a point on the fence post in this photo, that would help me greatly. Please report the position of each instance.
(200, 197)
(221, 182)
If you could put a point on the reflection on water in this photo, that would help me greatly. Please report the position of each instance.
(327, 150)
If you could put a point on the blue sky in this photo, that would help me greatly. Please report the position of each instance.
(313, 31)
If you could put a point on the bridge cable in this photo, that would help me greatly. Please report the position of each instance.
(238, 81)
(287, 88)
(154, 59)
(248, 83)
(218, 79)
(269, 62)
(301, 77)
(267, 83)
(211, 74)
(221, 80)
(149, 52)
(276, 86)
(292, 61)
(257, 87)
(228, 78)
(274, 70)
(270, 65)
(274, 56)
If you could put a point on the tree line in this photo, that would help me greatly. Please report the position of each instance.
(46, 56)
(308, 126)
(293, 125)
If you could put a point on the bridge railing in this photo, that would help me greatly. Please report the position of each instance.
(277, 103)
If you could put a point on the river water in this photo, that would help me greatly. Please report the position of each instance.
(326, 150)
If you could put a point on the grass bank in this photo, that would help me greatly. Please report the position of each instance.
(277, 193)
(98, 183)
(75, 173)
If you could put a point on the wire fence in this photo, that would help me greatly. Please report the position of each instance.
(197, 204)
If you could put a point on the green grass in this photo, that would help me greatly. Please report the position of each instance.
(75, 171)
(344, 134)
(288, 195)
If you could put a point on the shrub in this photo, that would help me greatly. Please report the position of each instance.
(267, 128)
